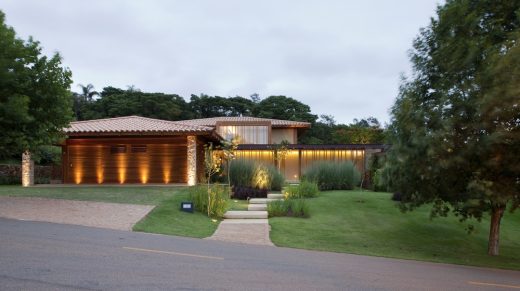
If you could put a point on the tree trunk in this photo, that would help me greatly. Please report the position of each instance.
(494, 229)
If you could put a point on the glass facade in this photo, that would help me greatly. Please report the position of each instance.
(248, 134)
(298, 160)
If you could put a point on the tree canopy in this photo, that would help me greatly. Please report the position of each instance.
(456, 123)
(35, 99)
(282, 107)
(115, 102)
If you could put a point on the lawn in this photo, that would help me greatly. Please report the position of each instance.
(116, 194)
(165, 218)
(369, 223)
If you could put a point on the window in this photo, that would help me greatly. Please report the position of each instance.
(118, 149)
(138, 149)
(248, 134)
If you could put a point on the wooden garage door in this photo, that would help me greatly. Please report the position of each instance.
(127, 163)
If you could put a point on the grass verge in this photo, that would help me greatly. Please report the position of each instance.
(369, 223)
(167, 218)
(115, 194)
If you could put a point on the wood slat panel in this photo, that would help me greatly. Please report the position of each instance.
(94, 163)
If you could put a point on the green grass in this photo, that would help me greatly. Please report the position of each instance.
(166, 218)
(234, 204)
(116, 194)
(369, 223)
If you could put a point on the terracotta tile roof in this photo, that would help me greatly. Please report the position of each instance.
(274, 122)
(133, 125)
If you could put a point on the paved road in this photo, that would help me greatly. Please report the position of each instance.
(46, 256)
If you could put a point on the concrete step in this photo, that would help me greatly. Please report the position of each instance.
(275, 196)
(246, 221)
(260, 200)
(233, 214)
(257, 207)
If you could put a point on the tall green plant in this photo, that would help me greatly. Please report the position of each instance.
(229, 153)
(215, 207)
(241, 173)
(213, 165)
(333, 175)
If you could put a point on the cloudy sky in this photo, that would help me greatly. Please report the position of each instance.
(343, 58)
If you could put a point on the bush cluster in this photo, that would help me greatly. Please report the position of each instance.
(288, 207)
(217, 204)
(306, 189)
(247, 177)
(333, 175)
(243, 193)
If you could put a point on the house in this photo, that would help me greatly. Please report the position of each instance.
(143, 150)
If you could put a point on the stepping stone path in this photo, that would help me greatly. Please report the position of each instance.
(249, 227)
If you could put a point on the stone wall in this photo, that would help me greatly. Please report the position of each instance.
(12, 174)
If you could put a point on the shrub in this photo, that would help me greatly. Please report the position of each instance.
(241, 173)
(333, 175)
(244, 193)
(277, 179)
(10, 180)
(396, 196)
(278, 208)
(261, 178)
(288, 207)
(291, 191)
(308, 189)
(218, 203)
(245, 173)
(298, 208)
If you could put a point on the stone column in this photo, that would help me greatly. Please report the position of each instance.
(192, 160)
(27, 169)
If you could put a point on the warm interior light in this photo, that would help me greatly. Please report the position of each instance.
(121, 167)
(77, 165)
(166, 164)
(77, 175)
(144, 168)
(166, 176)
(99, 164)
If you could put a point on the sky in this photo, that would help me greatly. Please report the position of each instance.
(342, 58)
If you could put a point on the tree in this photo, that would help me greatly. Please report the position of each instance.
(35, 101)
(116, 102)
(456, 123)
(320, 132)
(281, 107)
(87, 92)
(205, 106)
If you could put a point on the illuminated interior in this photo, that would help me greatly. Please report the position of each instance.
(143, 168)
(99, 164)
(78, 167)
(121, 167)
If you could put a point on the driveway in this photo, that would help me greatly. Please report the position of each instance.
(97, 214)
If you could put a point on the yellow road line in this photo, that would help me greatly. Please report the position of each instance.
(494, 285)
(172, 253)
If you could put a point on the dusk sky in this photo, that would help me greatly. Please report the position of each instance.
(342, 58)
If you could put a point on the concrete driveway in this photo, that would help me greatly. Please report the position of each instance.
(97, 214)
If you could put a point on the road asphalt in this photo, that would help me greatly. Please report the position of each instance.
(47, 256)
